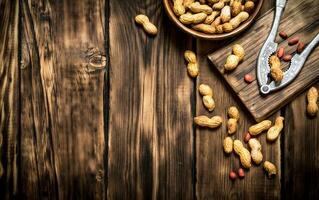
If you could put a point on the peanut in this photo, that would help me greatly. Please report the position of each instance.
(236, 21)
(228, 145)
(293, 41)
(225, 14)
(300, 47)
(196, 7)
(239, 51)
(207, 93)
(280, 52)
(217, 21)
(255, 152)
(275, 68)
(243, 153)
(205, 121)
(270, 168)
(233, 115)
(275, 130)
(312, 97)
(192, 66)
(210, 18)
(233, 112)
(249, 6)
(219, 29)
(232, 175)
(232, 62)
(187, 3)
(178, 7)
(205, 90)
(205, 28)
(219, 5)
(248, 78)
(287, 57)
(241, 173)
(190, 18)
(147, 25)
(236, 8)
(247, 137)
(283, 35)
(260, 127)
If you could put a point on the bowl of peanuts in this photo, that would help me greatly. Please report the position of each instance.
(212, 19)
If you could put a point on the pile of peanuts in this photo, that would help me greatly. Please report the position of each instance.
(213, 16)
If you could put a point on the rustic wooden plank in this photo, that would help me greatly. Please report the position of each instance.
(9, 98)
(212, 165)
(300, 152)
(151, 103)
(303, 21)
(62, 104)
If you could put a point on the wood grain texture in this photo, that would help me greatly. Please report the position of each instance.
(151, 103)
(9, 98)
(300, 152)
(62, 80)
(300, 19)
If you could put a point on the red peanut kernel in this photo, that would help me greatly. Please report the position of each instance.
(248, 78)
(241, 173)
(232, 175)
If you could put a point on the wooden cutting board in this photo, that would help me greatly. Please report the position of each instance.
(302, 20)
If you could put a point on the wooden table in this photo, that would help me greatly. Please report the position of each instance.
(93, 108)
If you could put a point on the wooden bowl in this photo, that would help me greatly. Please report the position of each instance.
(168, 5)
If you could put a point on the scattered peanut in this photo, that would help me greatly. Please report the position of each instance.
(293, 41)
(247, 137)
(178, 8)
(243, 153)
(248, 78)
(287, 58)
(276, 73)
(207, 94)
(270, 168)
(275, 130)
(192, 66)
(228, 145)
(187, 3)
(147, 25)
(196, 7)
(260, 127)
(280, 52)
(239, 51)
(312, 97)
(233, 60)
(232, 175)
(205, 121)
(283, 35)
(255, 152)
(300, 47)
(233, 115)
(241, 173)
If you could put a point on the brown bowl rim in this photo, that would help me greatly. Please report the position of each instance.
(201, 35)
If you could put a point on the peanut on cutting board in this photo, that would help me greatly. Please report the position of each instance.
(260, 127)
(147, 25)
(227, 14)
(207, 122)
(243, 153)
(233, 115)
(312, 98)
(275, 130)
(192, 66)
(207, 93)
(232, 61)
(255, 152)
